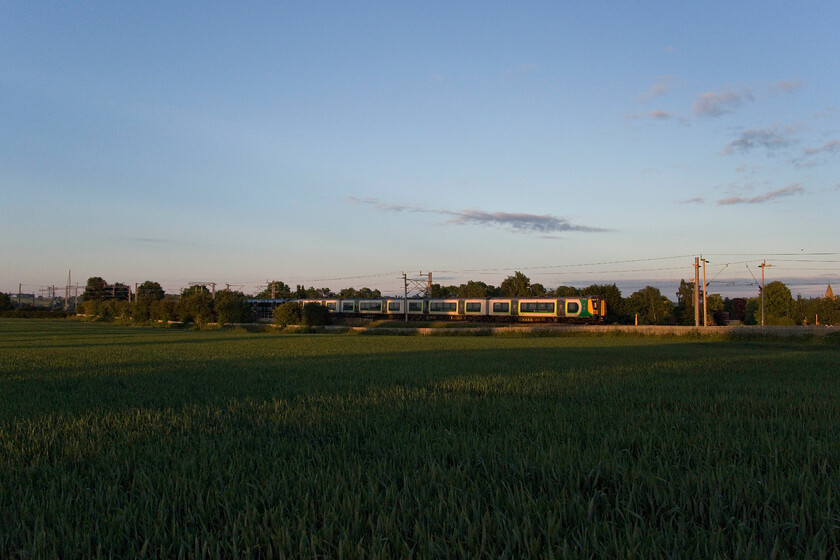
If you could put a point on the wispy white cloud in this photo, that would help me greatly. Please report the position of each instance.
(514, 222)
(790, 190)
(787, 86)
(518, 222)
(748, 170)
(376, 203)
(715, 104)
(662, 86)
(695, 200)
(657, 115)
(770, 138)
(831, 148)
(813, 157)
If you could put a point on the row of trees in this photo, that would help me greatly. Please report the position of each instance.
(647, 305)
(651, 307)
(280, 290)
(196, 304)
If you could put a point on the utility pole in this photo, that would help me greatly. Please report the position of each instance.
(762, 266)
(67, 292)
(416, 285)
(405, 295)
(696, 294)
(20, 287)
(705, 307)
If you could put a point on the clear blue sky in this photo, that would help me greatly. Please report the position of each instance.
(334, 145)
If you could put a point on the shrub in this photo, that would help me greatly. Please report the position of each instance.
(163, 310)
(289, 313)
(315, 315)
(197, 307)
(232, 307)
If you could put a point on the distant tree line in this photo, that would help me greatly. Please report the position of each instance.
(648, 305)
(10, 309)
(280, 290)
(195, 304)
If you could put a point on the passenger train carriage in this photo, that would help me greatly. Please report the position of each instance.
(584, 309)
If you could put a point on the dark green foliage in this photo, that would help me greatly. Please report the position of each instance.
(275, 290)
(778, 304)
(289, 313)
(164, 310)
(517, 285)
(5, 302)
(566, 291)
(107, 309)
(826, 311)
(684, 310)
(616, 308)
(147, 293)
(752, 311)
(150, 291)
(196, 306)
(538, 290)
(141, 311)
(95, 289)
(475, 290)
(231, 307)
(736, 307)
(441, 292)
(314, 315)
(364, 293)
(98, 289)
(302, 292)
(651, 307)
(33, 314)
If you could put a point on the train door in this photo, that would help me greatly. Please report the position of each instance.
(514, 307)
(461, 310)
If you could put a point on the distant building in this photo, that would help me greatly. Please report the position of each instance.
(829, 293)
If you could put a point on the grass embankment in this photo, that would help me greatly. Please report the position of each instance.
(127, 442)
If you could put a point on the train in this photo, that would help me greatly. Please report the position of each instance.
(581, 310)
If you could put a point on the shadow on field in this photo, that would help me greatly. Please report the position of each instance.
(188, 374)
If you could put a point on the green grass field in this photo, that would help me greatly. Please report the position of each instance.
(139, 442)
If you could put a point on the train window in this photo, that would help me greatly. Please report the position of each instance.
(331, 305)
(473, 307)
(501, 307)
(572, 307)
(370, 306)
(347, 307)
(442, 306)
(537, 307)
(415, 306)
(394, 306)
